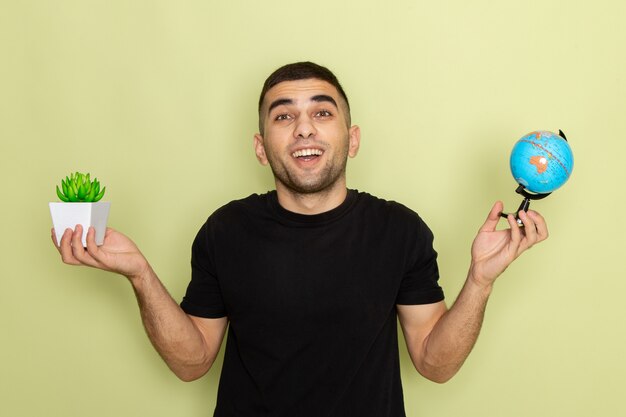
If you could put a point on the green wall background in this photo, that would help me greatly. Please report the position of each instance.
(158, 99)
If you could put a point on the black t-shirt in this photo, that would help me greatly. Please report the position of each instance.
(311, 302)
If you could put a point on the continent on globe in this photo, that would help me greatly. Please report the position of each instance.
(540, 162)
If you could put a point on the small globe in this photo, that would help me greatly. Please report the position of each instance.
(541, 162)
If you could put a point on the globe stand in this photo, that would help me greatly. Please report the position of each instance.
(525, 203)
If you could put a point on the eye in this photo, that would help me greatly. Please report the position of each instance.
(283, 116)
(323, 113)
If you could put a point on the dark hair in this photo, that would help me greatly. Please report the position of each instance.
(301, 71)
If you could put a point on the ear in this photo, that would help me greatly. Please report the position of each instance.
(355, 141)
(259, 149)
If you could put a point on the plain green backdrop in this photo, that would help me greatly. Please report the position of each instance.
(158, 100)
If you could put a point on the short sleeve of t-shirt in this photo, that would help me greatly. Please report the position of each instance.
(420, 282)
(203, 297)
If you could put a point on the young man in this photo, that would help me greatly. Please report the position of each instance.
(312, 276)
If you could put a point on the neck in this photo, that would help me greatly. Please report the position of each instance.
(311, 203)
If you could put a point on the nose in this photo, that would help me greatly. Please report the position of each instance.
(304, 128)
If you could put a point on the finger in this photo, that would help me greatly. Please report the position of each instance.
(540, 223)
(78, 250)
(516, 232)
(493, 218)
(92, 247)
(77, 237)
(65, 248)
(530, 230)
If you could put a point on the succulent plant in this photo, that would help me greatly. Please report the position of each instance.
(78, 187)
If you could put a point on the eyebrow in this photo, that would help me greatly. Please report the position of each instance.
(323, 97)
(279, 102)
(318, 98)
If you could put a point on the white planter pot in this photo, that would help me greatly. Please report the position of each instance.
(68, 215)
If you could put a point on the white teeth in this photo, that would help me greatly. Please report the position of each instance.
(307, 152)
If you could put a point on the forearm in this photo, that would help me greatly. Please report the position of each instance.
(453, 337)
(187, 345)
(439, 341)
(172, 333)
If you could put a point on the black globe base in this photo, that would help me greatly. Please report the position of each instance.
(525, 203)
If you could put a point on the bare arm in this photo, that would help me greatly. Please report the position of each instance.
(187, 344)
(440, 340)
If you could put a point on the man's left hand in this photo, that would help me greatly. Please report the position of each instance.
(494, 250)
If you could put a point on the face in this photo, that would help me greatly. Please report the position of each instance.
(306, 139)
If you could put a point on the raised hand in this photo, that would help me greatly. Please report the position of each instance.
(117, 254)
(494, 250)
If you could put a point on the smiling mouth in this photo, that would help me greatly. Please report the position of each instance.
(307, 154)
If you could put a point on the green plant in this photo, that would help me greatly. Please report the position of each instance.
(78, 187)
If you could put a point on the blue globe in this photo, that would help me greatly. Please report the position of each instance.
(541, 161)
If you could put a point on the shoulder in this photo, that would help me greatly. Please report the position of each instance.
(392, 215)
(252, 204)
(387, 208)
(236, 213)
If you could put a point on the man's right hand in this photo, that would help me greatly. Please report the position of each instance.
(117, 254)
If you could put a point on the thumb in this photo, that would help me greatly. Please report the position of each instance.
(493, 218)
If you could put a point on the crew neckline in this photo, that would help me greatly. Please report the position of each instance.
(312, 219)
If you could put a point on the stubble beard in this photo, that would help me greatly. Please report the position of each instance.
(331, 173)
